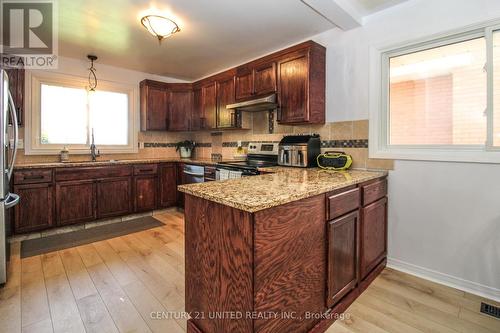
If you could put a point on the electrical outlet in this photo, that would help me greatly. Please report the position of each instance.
(141, 145)
(20, 144)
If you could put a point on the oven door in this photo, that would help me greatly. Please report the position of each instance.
(193, 174)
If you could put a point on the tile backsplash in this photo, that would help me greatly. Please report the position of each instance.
(350, 137)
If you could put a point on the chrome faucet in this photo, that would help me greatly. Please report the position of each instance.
(94, 152)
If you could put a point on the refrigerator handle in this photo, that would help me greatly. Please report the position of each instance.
(12, 200)
(15, 125)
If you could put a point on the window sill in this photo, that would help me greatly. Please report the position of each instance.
(460, 156)
(102, 151)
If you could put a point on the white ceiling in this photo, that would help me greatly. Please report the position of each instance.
(367, 7)
(215, 34)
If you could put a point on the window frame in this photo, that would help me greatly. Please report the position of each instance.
(32, 134)
(379, 100)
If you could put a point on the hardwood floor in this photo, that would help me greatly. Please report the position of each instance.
(115, 286)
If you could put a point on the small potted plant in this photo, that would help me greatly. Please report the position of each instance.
(185, 147)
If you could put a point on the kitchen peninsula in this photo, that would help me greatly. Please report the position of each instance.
(283, 251)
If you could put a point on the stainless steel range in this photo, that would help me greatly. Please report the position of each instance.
(259, 155)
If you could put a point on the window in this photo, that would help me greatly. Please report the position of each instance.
(436, 99)
(64, 113)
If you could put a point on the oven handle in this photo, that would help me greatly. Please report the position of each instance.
(194, 174)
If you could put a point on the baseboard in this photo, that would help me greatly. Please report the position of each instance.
(445, 279)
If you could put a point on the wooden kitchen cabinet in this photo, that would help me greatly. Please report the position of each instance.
(301, 86)
(146, 189)
(180, 181)
(208, 105)
(373, 233)
(243, 83)
(264, 78)
(180, 107)
(35, 209)
(154, 106)
(255, 80)
(226, 118)
(167, 177)
(16, 87)
(114, 197)
(343, 251)
(75, 202)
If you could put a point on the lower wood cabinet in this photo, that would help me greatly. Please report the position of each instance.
(343, 250)
(35, 209)
(114, 197)
(167, 176)
(373, 233)
(146, 189)
(75, 201)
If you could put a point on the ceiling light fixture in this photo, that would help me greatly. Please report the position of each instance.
(159, 26)
(92, 75)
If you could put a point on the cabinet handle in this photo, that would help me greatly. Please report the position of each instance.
(146, 170)
(33, 177)
(278, 114)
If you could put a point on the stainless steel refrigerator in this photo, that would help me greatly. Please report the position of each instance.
(7, 159)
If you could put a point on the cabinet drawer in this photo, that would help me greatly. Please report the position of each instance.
(145, 169)
(33, 176)
(341, 203)
(374, 191)
(93, 173)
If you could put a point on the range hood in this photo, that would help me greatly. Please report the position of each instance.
(259, 104)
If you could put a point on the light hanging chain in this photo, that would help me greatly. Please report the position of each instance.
(92, 75)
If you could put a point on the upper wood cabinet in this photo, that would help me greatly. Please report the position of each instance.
(180, 108)
(255, 80)
(301, 86)
(226, 118)
(296, 74)
(154, 106)
(208, 105)
(16, 87)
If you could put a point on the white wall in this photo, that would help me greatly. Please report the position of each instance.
(444, 218)
(80, 67)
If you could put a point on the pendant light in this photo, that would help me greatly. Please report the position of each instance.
(92, 73)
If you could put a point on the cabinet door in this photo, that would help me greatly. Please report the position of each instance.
(180, 181)
(196, 114)
(114, 197)
(225, 95)
(180, 104)
(154, 108)
(243, 83)
(293, 85)
(373, 235)
(343, 249)
(208, 105)
(146, 188)
(16, 87)
(35, 209)
(75, 202)
(168, 185)
(265, 79)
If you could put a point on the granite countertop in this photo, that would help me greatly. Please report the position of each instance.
(281, 186)
(199, 161)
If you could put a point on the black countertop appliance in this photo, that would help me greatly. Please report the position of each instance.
(299, 150)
